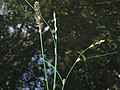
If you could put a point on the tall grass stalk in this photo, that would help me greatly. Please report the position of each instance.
(55, 50)
(39, 24)
(55, 45)
(45, 71)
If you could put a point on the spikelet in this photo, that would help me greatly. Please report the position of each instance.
(38, 15)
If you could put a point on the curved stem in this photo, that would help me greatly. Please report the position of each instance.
(56, 70)
(73, 66)
(86, 59)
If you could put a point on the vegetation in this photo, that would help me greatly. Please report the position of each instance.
(87, 46)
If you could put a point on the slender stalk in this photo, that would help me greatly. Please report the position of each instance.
(78, 59)
(56, 70)
(86, 59)
(55, 45)
(50, 31)
(63, 87)
(75, 63)
(46, 78)
(55, 50)
(69, 74)
(29, 5)
(102, 55)
(40, 25)
(73, 67)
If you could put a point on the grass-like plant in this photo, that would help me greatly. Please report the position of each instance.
(39, 23)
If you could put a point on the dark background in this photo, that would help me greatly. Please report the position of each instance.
(80, 23)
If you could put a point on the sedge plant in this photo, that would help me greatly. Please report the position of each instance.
(39, 23)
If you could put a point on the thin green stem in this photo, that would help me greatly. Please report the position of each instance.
(56, 70)
(73, 67)
(63, 87)
(50, 31)
(46, 78)
(68, 74)
(55, 45)
(83, 52)
(70, 71)
(75, 63)
(29, 5)
(102, 55)
(86, 59)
